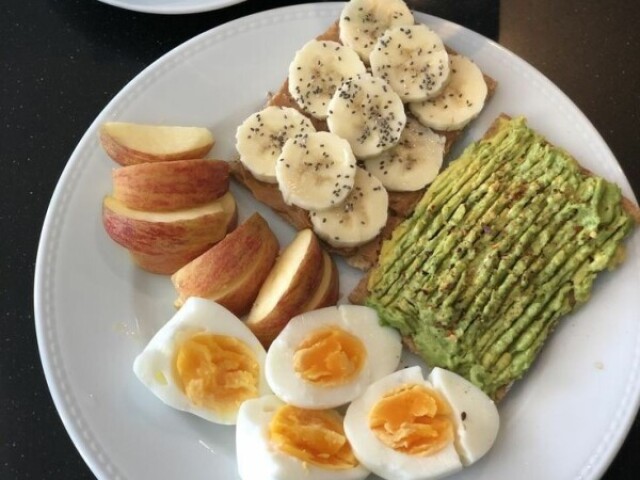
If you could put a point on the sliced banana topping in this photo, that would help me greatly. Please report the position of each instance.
(363, 21)
(316, 170)
(317, 70)
(359, 218)
(413, 163)
(413, 60)
(368, 114)
(460, 101)
(260, 138)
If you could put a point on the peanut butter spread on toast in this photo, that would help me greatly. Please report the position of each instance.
(401, 204)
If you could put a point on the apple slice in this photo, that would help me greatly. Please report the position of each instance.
(166, 232)
(168, 236)
(232, 272)
(164, 186)
(166, 263)
(288, 288)
(169, 263)
(328, 289)
(132, 143)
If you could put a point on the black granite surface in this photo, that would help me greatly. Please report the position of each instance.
(62, 61)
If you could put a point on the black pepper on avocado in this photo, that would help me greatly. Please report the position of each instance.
(506, 241)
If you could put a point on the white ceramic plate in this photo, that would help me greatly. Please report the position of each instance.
(95, 311)
(171, 7)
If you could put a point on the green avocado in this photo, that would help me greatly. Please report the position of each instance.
(505, 242)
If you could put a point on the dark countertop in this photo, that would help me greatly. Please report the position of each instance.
(62, 61)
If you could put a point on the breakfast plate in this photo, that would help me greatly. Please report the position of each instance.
(171, 7)
(95, 311)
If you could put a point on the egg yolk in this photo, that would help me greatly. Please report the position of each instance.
(313, 436)
(329, 357)
(412, 419)
(217, 372)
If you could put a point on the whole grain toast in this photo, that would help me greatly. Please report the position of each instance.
(360, 292)
(401, 204)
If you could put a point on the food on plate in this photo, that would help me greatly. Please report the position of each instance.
(276, 441)
(162, 242)
(362, 22)
(460, 102)
(132, 143)
(413, 163)
(506, 241)
(407, 428)
(413, 60)
(174, 185)
(328, 288)
(475, 415)
(168, 205)
(367, 113)
(359, 218)
(260, 138)
(317, 71)
(231, 272)
(292, 281)
(204, 361)
(315, 170)
(328, 357)
(368, 20)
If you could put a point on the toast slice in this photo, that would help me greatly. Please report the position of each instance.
(401, 204)
(508, 239)
(359, 294)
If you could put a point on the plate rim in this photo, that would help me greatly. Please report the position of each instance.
(193, 6)
(85, 441)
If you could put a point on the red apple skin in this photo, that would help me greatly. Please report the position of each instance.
(164, 247)
(153, 237)
(169, 263)
(300, 290)
(231, 272)
(328, 290)
(128, 156)
(167, 186)
(166, 263)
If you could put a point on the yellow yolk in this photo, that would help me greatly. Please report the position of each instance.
(217, 372)
(412, 419)
(329, 357)
(313, 436)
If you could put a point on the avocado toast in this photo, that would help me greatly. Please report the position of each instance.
(507, 240)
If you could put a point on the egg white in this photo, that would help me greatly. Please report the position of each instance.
(378, 457)
(383, 350)
(258, 459)
(475, 414)
(196, 316)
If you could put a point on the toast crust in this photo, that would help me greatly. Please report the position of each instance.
(401, 204)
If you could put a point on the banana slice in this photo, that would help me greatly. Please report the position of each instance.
(363, 21)
(460, 101)
(315, 170)
(413, 163)
(260, 138)
(367, 113)
(413, 60)
(359, 218)
(316, 72)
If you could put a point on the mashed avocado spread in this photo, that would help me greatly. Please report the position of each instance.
(507, 239)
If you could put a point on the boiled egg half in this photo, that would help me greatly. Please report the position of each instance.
(328, 357)
(407, 428)
(276, 441)
(205, 361)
